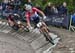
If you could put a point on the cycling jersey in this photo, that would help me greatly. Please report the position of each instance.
(32, 14)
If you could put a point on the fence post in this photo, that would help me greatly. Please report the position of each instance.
(70, 22)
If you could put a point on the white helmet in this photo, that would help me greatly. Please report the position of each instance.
(28, 7)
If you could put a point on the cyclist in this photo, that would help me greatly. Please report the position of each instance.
(32, 14)
(11, 21)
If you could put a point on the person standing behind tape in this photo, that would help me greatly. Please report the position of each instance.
(62, 9)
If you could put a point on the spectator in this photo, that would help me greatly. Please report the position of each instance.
(17, 2)
(11, 2)
(54, 10)
(30, 2)
(73, 19)
(62, 9)
(50, 10)
(8, 10)
(47, 10)
(5, 1)
(1, 7)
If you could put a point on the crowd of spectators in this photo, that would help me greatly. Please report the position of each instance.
(11, 6)
(52, 9)
(14, 6)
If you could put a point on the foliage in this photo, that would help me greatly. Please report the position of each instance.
(0, 0)
(43, 3)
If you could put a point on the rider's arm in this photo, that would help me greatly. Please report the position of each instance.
(39, 11)
(27, 19)
(45, 25)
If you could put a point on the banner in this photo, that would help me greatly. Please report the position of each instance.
(62, 21)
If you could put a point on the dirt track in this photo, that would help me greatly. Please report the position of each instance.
(21, 42)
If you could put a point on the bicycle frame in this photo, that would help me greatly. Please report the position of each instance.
(45, 31)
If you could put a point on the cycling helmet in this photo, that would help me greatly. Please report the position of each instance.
(28, 7)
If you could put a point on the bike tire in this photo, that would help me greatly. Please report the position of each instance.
(49, 38)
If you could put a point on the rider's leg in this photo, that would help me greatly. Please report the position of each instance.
(42, 30)
(48, 38)
(11, 23)
(53, 36)
(47, 31)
